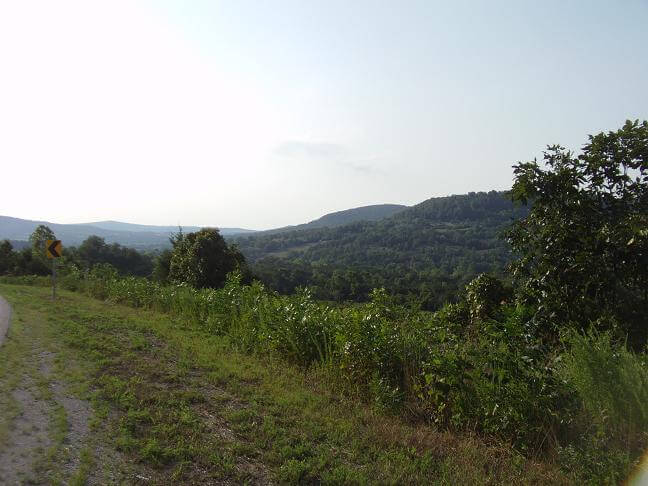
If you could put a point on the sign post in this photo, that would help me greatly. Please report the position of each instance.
(53, 250)
(53, 278)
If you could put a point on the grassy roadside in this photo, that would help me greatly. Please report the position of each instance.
(172, 402)
(36, 428)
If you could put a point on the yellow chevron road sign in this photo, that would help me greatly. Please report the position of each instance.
(53, 248)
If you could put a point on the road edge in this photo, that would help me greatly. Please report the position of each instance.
(5, 317)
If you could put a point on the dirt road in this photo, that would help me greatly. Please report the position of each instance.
(5, 314)
(44, 426)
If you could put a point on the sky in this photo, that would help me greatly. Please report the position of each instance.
(265, 114)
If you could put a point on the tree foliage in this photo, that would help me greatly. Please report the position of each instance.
(7, 257)
(39, 238)
(127, 261)
(424, 254)
(162, 263)
(584, 246)
(203, 259)
(35, 261)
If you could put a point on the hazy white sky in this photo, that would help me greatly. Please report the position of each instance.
(262, 114)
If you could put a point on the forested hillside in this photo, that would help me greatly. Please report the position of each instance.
(375, 212)
(426, 231)
(424, 253)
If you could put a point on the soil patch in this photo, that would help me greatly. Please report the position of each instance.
(5, 314)
(28, 438)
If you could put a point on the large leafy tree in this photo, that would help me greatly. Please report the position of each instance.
(162, 263)
(35, 262)
(38, 238)
(203, 259)
(7, 257)
(584, 246)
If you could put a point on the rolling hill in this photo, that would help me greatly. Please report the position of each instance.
(374, 212)
(406, 236)
(126, 234)
(145, 228)
(140, 228)
(142, 236)
(427, 252)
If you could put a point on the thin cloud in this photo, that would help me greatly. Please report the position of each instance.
(292, 149)
(360, 167)
(336, 154)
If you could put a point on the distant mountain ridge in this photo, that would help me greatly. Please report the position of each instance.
(126, 234)
(142, 236)
(147, 228)
(137, 228)
(374, 212)
(377, 234)
(414, 236)
(424, 254)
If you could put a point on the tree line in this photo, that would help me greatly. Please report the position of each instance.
(31, 260)
(201, 259)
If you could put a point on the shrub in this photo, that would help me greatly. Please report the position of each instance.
(484, 295)
(494, 378)
(611, 384)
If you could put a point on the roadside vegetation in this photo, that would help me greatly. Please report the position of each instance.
(551, 366)
(173, 401)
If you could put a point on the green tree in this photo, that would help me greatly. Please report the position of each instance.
(92, 250)
(127, 261)
(37, 263)
(584, 246)
(38, 239)
(7, 257)
(203, 259)
(162, 266)
(162, 263)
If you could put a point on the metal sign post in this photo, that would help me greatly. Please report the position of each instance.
(53, 250)
(53, 278)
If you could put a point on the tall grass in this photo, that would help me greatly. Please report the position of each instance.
(611, 386)
(611, 382)
(443, 367)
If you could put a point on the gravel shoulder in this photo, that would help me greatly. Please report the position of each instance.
(5, 315)
(45, 435)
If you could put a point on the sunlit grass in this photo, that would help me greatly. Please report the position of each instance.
(183, 402)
